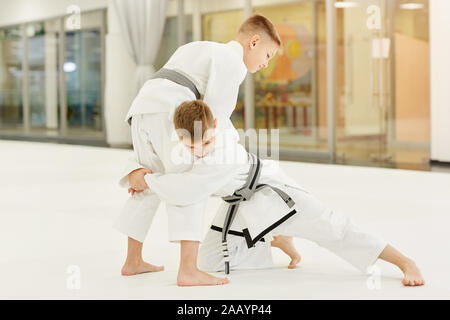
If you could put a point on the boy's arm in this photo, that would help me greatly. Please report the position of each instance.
(228, 163)
(191, 187)
(131, 166)
(133, 176)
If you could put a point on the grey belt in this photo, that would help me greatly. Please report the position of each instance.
(243, 194)
(178, 78)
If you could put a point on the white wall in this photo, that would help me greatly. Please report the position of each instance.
(440, 79)
(19, 11)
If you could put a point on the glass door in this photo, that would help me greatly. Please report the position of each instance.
(290, 95)
(42, 46)
(11, 78)
(382, 66)
(363, 73)
(83, 75)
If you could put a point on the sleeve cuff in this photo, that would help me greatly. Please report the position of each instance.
(124, 182)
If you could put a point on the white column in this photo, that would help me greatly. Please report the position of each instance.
(249, 97)
(51, 80)
(181, 29)
(118, 73)
(25, 83)
(196, 21)
(331, 77)
(440, 79)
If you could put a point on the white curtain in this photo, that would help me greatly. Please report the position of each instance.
(142, 23)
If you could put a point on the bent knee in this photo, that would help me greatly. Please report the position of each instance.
(210, 259)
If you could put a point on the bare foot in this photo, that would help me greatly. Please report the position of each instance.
(131, 269)
(286, 244)
(413, 277)
(188, 278)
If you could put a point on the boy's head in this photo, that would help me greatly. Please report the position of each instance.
(195, 126)
(260, 40)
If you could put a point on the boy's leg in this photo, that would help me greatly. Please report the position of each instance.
(286, 244)
(241, 257)
(138, 213)
(134, 222)
(337, 233)
(135, 264)
(413, 277)
(186, 227)
(210, 256)
(189, 274)
(185, 223)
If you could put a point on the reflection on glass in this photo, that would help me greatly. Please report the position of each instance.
(286, 93)
(82, 68)
(383, 85)
(410, 121)
(40, 92)
(36, 73)
(11, 77)
(360, 106)
(43, 74)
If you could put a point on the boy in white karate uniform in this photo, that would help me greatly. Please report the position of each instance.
(265, 214)
(210, 70)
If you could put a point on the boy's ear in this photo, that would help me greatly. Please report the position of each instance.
(254, 40)
(215, 123)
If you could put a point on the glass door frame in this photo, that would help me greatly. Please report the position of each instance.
(62, 75)
(331, 26)
(330, 154)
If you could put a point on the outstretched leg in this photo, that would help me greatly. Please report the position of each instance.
(189, 274)
(336, 232)
(413, 277)
(286, 244)
(134, 263)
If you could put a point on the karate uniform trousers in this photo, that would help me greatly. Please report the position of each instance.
(265, 214)
(154, 147)
(313, 221)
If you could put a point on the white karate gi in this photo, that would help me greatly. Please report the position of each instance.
(217, 70)
(313, 220)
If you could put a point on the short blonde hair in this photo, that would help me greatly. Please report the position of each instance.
(188, 113)
(257, 23)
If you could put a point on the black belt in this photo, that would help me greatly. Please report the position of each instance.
(243, 194)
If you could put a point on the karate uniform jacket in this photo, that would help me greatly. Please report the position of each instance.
(222, 172)
(217, 70)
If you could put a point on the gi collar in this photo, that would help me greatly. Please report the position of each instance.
(239, 50)
(237, 47)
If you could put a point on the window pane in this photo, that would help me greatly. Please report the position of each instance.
(43, 73)
(83, 70)
(11, 55)
(410, 120)
(287, 94)
(383, 105)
